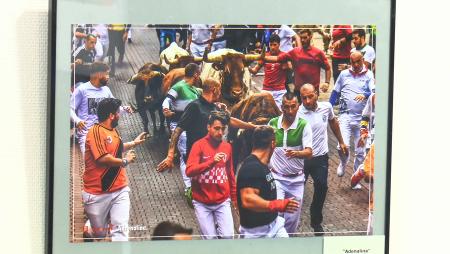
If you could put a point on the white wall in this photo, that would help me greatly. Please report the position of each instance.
(23, 97)
(420, 172)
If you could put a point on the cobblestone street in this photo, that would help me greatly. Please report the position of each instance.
(156, 197)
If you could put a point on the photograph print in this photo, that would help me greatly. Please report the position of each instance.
(215, 131)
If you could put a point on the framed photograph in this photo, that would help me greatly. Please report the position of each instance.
(237, 127)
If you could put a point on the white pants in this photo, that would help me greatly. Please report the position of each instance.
(199, 49)
(350, 127)
(82, 143)
(182, 149)
(370, 224)
(111, 207)
(288, 189)
(210, 215)
(278, 97)
(272, 230)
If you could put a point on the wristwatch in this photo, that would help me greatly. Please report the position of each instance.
(124, 162)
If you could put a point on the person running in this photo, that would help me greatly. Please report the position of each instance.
(293, 139)
(210, 165)
(257, 192)
(359, 40)
(83, 57)
(351, 91)
(274, 73)
(319, 115)
(85, 99)
(194, 121)
(105, 183)
(341, 37)
(307, 62)
(118, 34)
(178, 97)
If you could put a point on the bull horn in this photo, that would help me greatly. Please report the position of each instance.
(158, 73)
(176, 61)
(155, 74)
(214, 59)
(198, 59)
(256, 57)
(252, 57)
(132, 79)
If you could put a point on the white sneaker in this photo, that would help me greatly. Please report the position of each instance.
(340, 171)
(357, 187)
(87, 231)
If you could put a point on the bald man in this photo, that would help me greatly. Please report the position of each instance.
(319, 115)
(352, 89)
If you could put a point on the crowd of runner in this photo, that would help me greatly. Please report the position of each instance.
(266, 190)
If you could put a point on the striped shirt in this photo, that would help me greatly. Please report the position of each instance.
(297, 137)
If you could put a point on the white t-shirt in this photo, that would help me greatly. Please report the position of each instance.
(202, 32)
(84, 103)
(318, 120)
(286, 33)
(368, 53)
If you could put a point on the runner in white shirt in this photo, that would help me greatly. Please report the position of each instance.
(359, 40)
(293, 138)
(85, 99)
(201, 34)
(286, 35)
(319, 115)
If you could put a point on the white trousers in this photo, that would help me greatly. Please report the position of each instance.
(208, 216)
(181, 146)
(111, 207)
(278, 97)
(199, 49)
(288, 189)
(272, 230)
(350, 128)
(82, 143)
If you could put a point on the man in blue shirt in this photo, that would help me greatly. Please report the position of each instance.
(352, 89)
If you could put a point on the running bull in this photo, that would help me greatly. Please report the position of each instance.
(149, 94)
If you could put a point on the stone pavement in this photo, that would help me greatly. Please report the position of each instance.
(156, 197)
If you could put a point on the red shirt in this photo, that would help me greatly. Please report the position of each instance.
(339, 32)
(307, 65)
(212, 183)
(274, 76)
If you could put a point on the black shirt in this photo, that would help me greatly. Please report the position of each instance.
(254, 174)
(82, 71)
(194, 120)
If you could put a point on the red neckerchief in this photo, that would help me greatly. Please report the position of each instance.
(362, 72)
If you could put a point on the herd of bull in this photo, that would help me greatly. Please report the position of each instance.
(228, 67)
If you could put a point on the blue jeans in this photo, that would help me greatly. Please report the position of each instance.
(317, 167)
(164, 34)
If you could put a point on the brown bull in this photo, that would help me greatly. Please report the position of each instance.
(148, 93)
(231, 66)
(258, 109)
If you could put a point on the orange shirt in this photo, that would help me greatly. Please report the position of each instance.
(369, 171)
(98, 178)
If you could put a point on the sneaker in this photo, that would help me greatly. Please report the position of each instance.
(357, 187)
(318, 230)
(188, 196)
(340, 171)
(87, 232)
